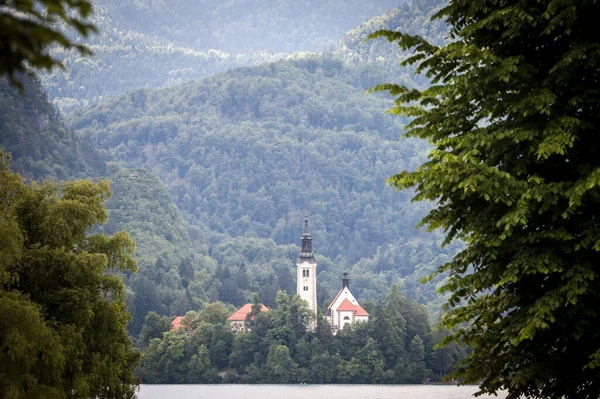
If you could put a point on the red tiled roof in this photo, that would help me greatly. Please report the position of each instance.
(241, 313)
(176, 323)
(360, 311)
(346, 306)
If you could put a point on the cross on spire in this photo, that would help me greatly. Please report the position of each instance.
(306, 223)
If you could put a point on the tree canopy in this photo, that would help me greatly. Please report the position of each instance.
(512, 113)
(395, 346)
(62, 305)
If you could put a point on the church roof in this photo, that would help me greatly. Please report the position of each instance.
(360, 311)
(346, 306)
(241, 313)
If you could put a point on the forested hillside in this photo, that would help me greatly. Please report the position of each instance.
(42, 148)
(134, 61)
(245, 153)
(304, 146)
(239, 26)
(155, 44)
(34, 134)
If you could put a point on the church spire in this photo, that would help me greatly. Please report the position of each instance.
(306, 254)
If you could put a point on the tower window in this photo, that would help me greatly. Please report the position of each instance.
(305, 288)
(346, 318)
(305, 273)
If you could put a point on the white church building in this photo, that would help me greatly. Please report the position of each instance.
(344, 309)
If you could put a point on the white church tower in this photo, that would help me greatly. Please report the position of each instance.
(306, 277)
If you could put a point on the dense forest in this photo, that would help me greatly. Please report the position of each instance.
(34, 134)
(246, 152)
(212, 179)
(140, 48)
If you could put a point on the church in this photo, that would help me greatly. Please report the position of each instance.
(344, 309)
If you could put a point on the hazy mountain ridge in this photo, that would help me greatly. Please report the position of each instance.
(162, 43)
(412, 18)
(243, 25)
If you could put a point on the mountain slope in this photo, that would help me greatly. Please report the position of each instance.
(34, 134)
(248, 151)
(162, 43)
(238, 26)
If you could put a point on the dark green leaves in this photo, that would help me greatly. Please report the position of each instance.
(514, 170)
(29, 28)
(62, 305)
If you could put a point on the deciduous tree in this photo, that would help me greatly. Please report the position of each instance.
(62, 305)
(512, 115)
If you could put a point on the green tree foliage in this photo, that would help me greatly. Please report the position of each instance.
(167, 359)
(177, 357)
(512, 115)
(62, 305)
(154, 327)
(29, 29)
(416, 370)
(280, 367)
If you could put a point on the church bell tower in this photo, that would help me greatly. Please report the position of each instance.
(307, 272)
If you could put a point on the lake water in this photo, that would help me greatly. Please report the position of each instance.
(309, 392)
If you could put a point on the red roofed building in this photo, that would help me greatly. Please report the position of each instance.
(176, 325)
(238, 319)
(344, 308)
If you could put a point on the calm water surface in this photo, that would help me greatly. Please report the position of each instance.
(309, 392)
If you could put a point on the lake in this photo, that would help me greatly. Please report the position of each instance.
(309, 392)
